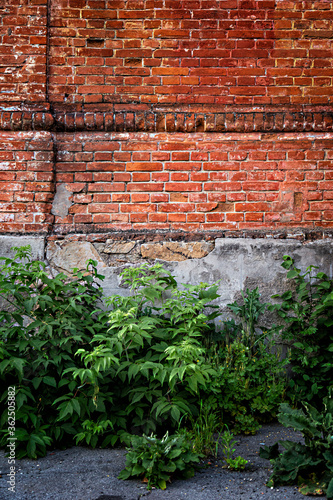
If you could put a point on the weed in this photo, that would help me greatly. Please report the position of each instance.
(157, 460)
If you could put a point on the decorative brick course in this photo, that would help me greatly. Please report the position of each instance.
(195, 119)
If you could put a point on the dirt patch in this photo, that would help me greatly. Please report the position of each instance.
(84, 474)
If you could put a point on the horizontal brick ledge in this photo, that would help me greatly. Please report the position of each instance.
(161, 121)
(26, 120)
(156, 236)
(196, 122)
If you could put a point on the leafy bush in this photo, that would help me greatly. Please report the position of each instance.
(95, 376)
(156, 338)
(307, 315)
(157, 460)
(251, 380)
(48, 319)
(249, 388)
(309, 464)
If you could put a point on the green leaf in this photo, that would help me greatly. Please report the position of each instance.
(329, 491)
(124, 474)
(137, 397)
(133, 370)
(50, 381)
(137, 470)
(192, 382)
(18, 363)
(76, 406)
(269, 452)
(299, 345)
(162, 484)
(174, 453)
(292, 273)
(31, 448)
(36, 382)
(175, 413)
(66, 409)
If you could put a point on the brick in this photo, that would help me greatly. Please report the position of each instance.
(176, 207)
(180, 186)
(140, 197)
(151, 187)
(103, 207)
(176, 217)
(142, 166)
(134, 207)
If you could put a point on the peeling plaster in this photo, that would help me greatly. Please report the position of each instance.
(62, 201)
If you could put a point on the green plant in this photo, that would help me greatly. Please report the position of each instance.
(309, 464)
(249, 386)
(91, 431)
(249, 313)
(45, 321)
(307, 314)
(157, 336)
(95, 376)
(251, 380)
(228, 442)
(203, 427)
(237, 463)
(157, 460)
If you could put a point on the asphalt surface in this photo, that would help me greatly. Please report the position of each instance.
(81, 473)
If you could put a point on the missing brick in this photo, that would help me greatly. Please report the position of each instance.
(298, 200)
(95, 42)
(62, 201)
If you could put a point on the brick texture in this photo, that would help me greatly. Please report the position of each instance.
(23, 36)
(166, 115)
(205, 51)
(178, 182)
(26, 182)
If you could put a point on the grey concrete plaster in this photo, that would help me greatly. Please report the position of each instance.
(62, 201)
(241, 263)
(238, 264)
(37, 244)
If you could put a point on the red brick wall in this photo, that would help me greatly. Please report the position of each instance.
(26, 182)
(178, 51)
(196, 181)
(23, 34)
(178, 182)
(193, 115)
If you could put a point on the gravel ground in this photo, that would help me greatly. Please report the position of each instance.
(84, 474)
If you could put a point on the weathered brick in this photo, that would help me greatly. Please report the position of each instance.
(122, 69)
